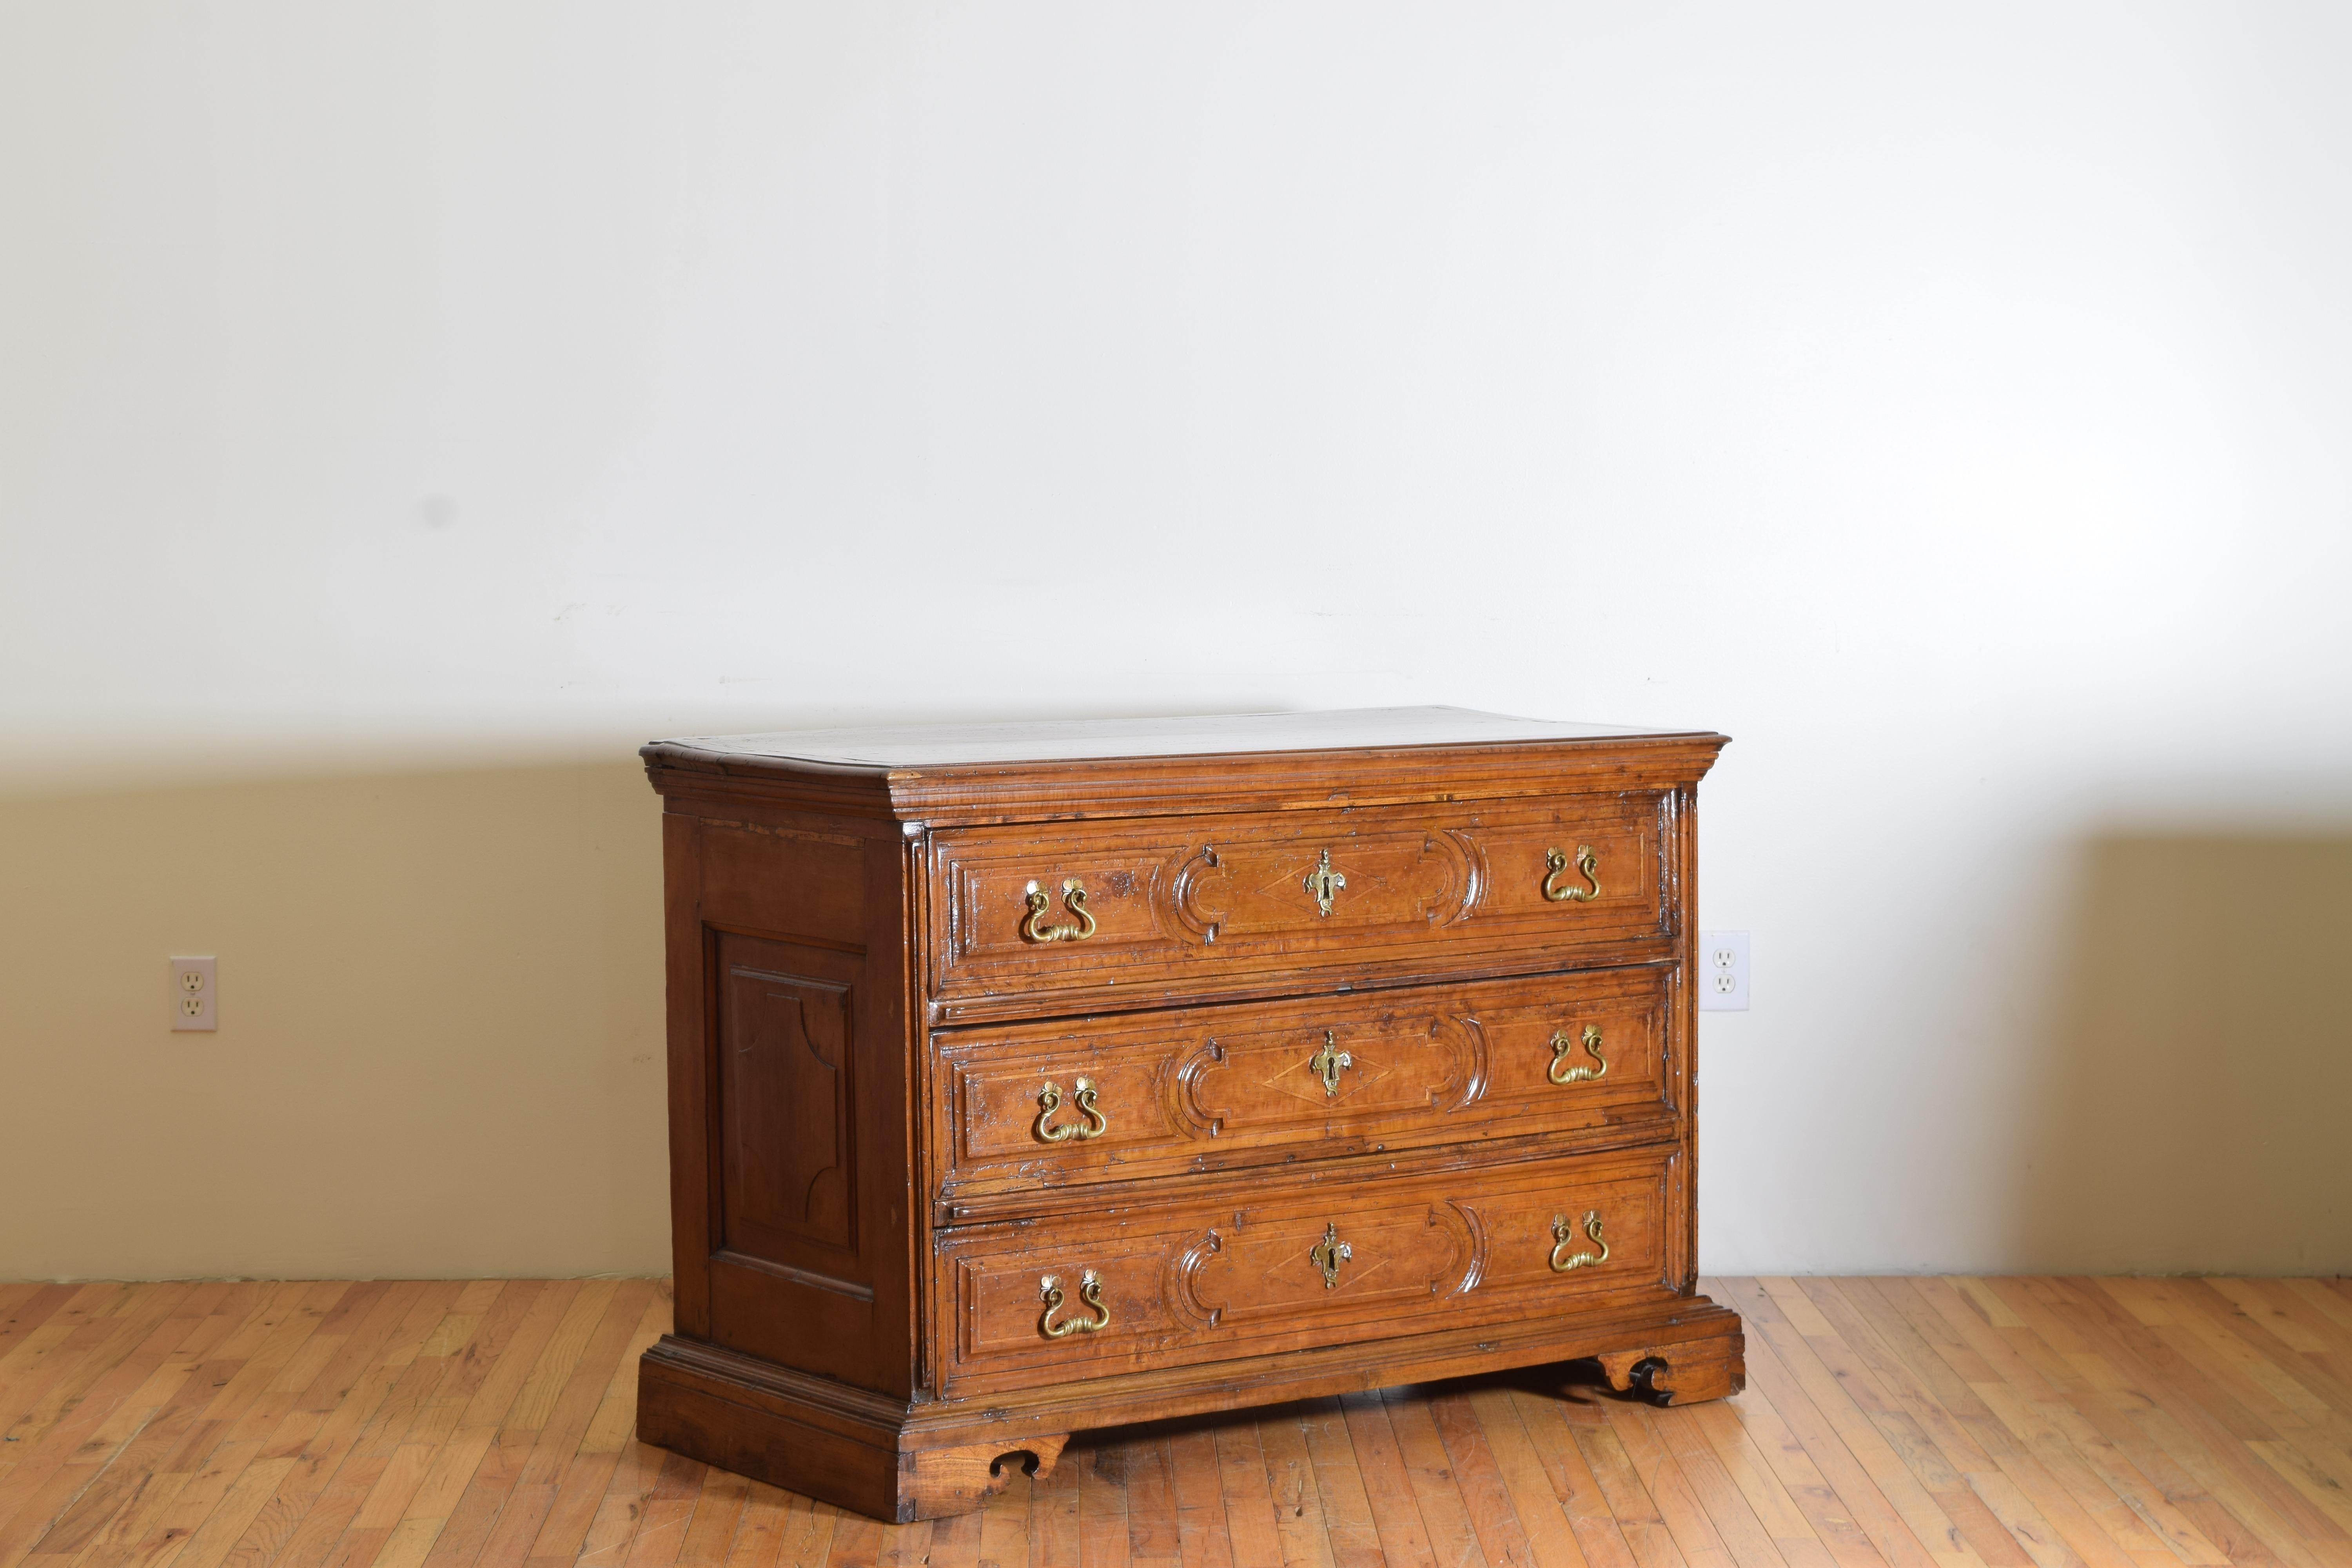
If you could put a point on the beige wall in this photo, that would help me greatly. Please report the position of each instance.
(439, 1050)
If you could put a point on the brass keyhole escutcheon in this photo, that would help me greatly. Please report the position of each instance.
(1323, 882)
(1328, 1254)
(1562, 1045)
(1587, 866)
(1091, 1122)
(1328, 1063)
(1562, 1237)
(1089, 1298)
(1035, 927)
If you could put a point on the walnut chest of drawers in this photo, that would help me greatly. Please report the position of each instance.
(1031, 1077)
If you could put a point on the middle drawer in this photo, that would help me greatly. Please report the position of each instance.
(1198, 1088)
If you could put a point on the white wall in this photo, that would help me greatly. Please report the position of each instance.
(1950, 405)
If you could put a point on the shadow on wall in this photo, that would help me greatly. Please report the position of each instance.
(440, 1043)
(2196, 1116)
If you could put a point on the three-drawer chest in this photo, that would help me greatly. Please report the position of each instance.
(1032, 1078)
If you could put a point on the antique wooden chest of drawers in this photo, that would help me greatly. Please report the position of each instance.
(1037, 1077)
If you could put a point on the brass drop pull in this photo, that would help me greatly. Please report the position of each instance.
(1328, 1254)
(1561, 1045)
(1328, 1063)
(1035, 927)
(1092, 1124)
(1323, 882)
(1089, 1298)
(1561, 1235)
(1587, 866)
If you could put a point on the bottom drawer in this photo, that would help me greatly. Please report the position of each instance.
(1316, 1260)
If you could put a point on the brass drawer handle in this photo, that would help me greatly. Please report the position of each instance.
(1587, 866)
(1328, 1254)
(1323, 882)
(1093, 1122)
(1089, 1296)
(1035, 928)
(1328, 1063)
(1561, 1045)
(1561, 1235)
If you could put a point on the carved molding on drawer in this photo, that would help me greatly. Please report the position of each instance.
(1181, 1288)
(1180, 1089)
(1470, 1236)
(1183, 890)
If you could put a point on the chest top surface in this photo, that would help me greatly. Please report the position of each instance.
(917, 747)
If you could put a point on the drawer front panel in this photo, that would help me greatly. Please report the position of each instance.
(1129, 1288)
(1208, 1088)
(1203, 900)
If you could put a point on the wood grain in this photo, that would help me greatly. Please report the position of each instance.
(2012, 1422)
(1036, 1112)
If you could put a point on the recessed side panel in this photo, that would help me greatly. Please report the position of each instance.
(787, 1094)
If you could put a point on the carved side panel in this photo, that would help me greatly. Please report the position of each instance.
(786, 1093)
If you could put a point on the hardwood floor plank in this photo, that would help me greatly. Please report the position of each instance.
(1724, 1505)
(856, 1543)
(180, 1397)
(1006, 1530)
(1446, 1519)
(1104, 1539)
(1355, 1541)
(1792, 1534)
(1054, 1519)
(759, 1532)
(1201, 1539)
(1248, 1498)
(1148, 1483)
(1992, 1427)
(2101, 1438)
(1478, 1477)
(1893, 1503)
(2007, 1423)
(2110, 1392)
(1397, 1525)
(711, 1532)
(2193, 1418)
(1573, 1487)
(1879, 1495)
(1298, 1518)
(335, 1472)
(955, 1542)
(805, 1538)
(1639, 1519)
(904, 1545)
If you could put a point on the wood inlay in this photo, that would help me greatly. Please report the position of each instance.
(1013, 1097)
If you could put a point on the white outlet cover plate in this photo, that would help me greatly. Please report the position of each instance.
(1722, 972)
(196, 994)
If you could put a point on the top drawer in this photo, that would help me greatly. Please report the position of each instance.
(1192, 902)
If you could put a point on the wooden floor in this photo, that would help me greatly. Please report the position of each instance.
(2013, 1423)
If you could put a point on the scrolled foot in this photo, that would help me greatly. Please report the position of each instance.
(1677, 1374)
(937, 1482)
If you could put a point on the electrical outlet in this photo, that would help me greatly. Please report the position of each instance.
(1723, 972)
(195, 993)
